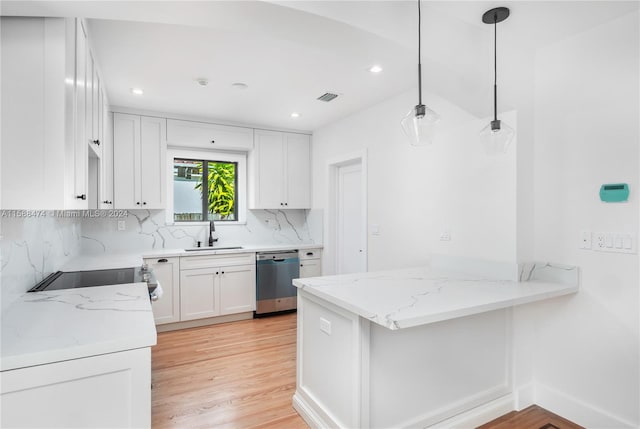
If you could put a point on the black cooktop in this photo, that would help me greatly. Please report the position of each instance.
(78, 279)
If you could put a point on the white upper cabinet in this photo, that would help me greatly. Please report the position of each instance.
(204, 135)
(44, 151)
(49, 84)
(139, 153)
(280, 171)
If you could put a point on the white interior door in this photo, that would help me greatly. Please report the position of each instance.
(351, 255)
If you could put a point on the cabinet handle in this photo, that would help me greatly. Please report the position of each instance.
(213, 141)
(301, 265)
(286, 204)
(309, 253)
(217, 273)
(138, 203)
(282, 204)
(144, 203)
(107, 202)
(81, 197)
(223, 272)
(163, 260)
(96, 142)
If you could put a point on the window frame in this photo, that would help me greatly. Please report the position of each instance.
(240, 158)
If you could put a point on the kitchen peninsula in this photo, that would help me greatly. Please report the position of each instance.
(413, 347)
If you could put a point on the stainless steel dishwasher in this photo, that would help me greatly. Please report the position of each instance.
(274, 273)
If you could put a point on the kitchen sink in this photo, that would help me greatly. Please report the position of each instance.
(199, 249)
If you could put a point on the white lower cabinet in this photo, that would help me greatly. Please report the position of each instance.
(167, 272)
(310, 263)
(111, 390)
(217, 285)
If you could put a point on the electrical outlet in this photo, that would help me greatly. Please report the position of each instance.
(121, 225)
(614, 242)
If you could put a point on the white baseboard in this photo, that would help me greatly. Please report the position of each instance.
(309, 413)
(478, 415)
(577, 411)
(524, 396)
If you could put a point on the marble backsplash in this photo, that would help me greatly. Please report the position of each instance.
(147, 229)
(32, 247)
(37, 243)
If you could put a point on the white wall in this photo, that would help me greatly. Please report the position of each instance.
(586, 134)
(416, 192)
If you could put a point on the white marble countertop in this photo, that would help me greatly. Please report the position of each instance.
(246, 248)
(46, 327)
(412, 297)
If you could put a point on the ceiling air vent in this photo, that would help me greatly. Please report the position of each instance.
(327, 96)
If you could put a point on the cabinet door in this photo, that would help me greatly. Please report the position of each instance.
(167, 271)
(208, 136)
(269, 164)
(106, 170)
(199, 293)
(126, 161)
(310, 268)
(153, 138)
(298, 164)
(237, 289)
(80, 166)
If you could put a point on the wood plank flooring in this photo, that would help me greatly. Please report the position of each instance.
(533, 417)
(233, 375)
(242, 375)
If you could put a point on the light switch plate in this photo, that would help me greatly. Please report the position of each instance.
(585, 239)
(614, 242)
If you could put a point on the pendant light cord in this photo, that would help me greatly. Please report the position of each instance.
(419, 59)
(495, 67)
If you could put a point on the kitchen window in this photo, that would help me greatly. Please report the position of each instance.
(207, 186)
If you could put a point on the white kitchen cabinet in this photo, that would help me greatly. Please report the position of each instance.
(208, 136)
(280, 171)
(167, 272)
(139, 152)
(106, 162)
(45, 82)
(310, 263)
(110, 390)
(199, 293)
(237, 289)
(217, 285)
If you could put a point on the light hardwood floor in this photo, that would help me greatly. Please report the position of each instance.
(242, 375)
(233, 375)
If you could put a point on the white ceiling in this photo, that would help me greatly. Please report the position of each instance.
(291, 52)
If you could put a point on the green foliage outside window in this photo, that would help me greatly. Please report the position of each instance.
(221, 187)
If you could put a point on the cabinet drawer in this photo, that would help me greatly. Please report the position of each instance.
(208, 261)
(309, 254)
(208, 136)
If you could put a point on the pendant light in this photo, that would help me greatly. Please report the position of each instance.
(418, 125)
(496, 136)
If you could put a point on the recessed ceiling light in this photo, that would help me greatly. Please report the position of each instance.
(137, 91)
(375, 69)
(295, 115)
(239, 85)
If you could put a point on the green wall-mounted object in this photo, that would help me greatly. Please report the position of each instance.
(614, 193)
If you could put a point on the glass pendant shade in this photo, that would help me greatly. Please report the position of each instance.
(419, 125)
(496, 137)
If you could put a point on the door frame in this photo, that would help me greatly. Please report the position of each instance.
(330, 259)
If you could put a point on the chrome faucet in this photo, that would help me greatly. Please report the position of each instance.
(212, 229)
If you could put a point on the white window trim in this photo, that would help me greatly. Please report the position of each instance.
(238, 157)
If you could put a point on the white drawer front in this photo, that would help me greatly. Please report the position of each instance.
(208, 136)
(208, 261)
(309, 253)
